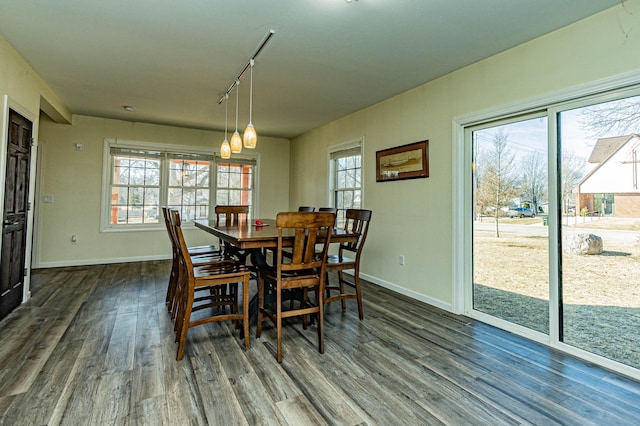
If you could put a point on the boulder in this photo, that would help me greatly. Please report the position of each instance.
(583, 244)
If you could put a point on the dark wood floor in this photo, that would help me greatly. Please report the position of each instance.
(94, 347)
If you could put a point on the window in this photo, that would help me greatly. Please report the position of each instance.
(234, 182)
(141, 177)
(189, 188)
(135, 186)
(346, 174)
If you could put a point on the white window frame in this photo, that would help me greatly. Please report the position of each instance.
(331, 185)
(107, 171)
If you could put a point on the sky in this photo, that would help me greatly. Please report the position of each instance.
(527, 136)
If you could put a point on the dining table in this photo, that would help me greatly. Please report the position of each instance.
(252, 235)
(262, 235)
(256, 237)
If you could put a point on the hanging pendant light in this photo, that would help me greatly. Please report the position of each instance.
(225, 149)
(250, 137)
(236, 141)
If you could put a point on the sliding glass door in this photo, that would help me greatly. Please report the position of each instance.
(555, 227)
(600, 199)
(510, 232)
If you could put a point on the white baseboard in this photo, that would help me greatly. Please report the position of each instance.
(410, 293)
(393, 287)
(86, 262)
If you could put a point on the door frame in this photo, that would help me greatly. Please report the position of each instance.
(462, 260)
(10, 103)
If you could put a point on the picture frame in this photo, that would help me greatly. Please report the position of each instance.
(409, 161)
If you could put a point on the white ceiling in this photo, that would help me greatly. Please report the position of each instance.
(172, 60)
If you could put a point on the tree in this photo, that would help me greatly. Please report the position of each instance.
(496, 185)
(534, 179)
(616, 118)
(572, 171)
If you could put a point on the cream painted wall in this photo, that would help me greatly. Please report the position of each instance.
(414, 218)
(74, 179)
(22, 84)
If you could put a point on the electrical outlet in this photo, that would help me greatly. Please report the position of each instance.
(402, 260)
(74, 239)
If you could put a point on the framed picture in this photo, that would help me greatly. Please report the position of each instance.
(403, 162)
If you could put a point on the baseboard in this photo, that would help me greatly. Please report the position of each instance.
(390, 286)
(409, 293)
(43, 265)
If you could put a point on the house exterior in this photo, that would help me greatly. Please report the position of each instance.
(612, 187)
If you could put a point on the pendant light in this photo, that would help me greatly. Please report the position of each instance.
(236, 141)
(250, 137)
(225, 149)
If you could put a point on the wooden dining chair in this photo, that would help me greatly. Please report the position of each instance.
(348, 257)
(303, 271)
(236, 215)
(328, 209)
(208, 277)
(306, 209)
(199, 255)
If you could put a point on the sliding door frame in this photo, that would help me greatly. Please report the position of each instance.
(462, 271)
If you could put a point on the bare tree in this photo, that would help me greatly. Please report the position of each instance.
(534, 179)
(616, 118)
(572, 170)
(496, 185)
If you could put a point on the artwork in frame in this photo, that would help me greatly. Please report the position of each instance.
(409, 161)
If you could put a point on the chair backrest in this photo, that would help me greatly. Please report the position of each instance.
(233, 215)
(181, 246)
(166, 214)
(309, 229)
(328, 209)
(357, 222)
(306, 209)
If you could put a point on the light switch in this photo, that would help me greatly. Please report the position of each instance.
(47, 199)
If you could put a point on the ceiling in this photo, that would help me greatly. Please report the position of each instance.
(172, 60)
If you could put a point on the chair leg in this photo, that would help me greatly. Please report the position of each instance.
(260, 307)
(356, 281)
(304, 303)
(184, 327)
(320, 316)
(245, 311)
(279, 322)
(341, 282)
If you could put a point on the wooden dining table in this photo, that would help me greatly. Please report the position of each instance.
(251, 236)
(255, 238)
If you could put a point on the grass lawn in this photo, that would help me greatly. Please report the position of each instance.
(601, 294)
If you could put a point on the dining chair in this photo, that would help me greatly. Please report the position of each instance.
(348, 257)
(211, 276)
(306, 209)
(304, 272)
(234, 215)
(199, 255)
(328, 209)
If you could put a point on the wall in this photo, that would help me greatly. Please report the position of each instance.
(74, 179)
(25, 87)
(414, 218)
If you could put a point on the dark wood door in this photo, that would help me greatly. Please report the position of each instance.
(14, 219)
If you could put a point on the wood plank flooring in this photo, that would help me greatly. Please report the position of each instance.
(94, 346)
